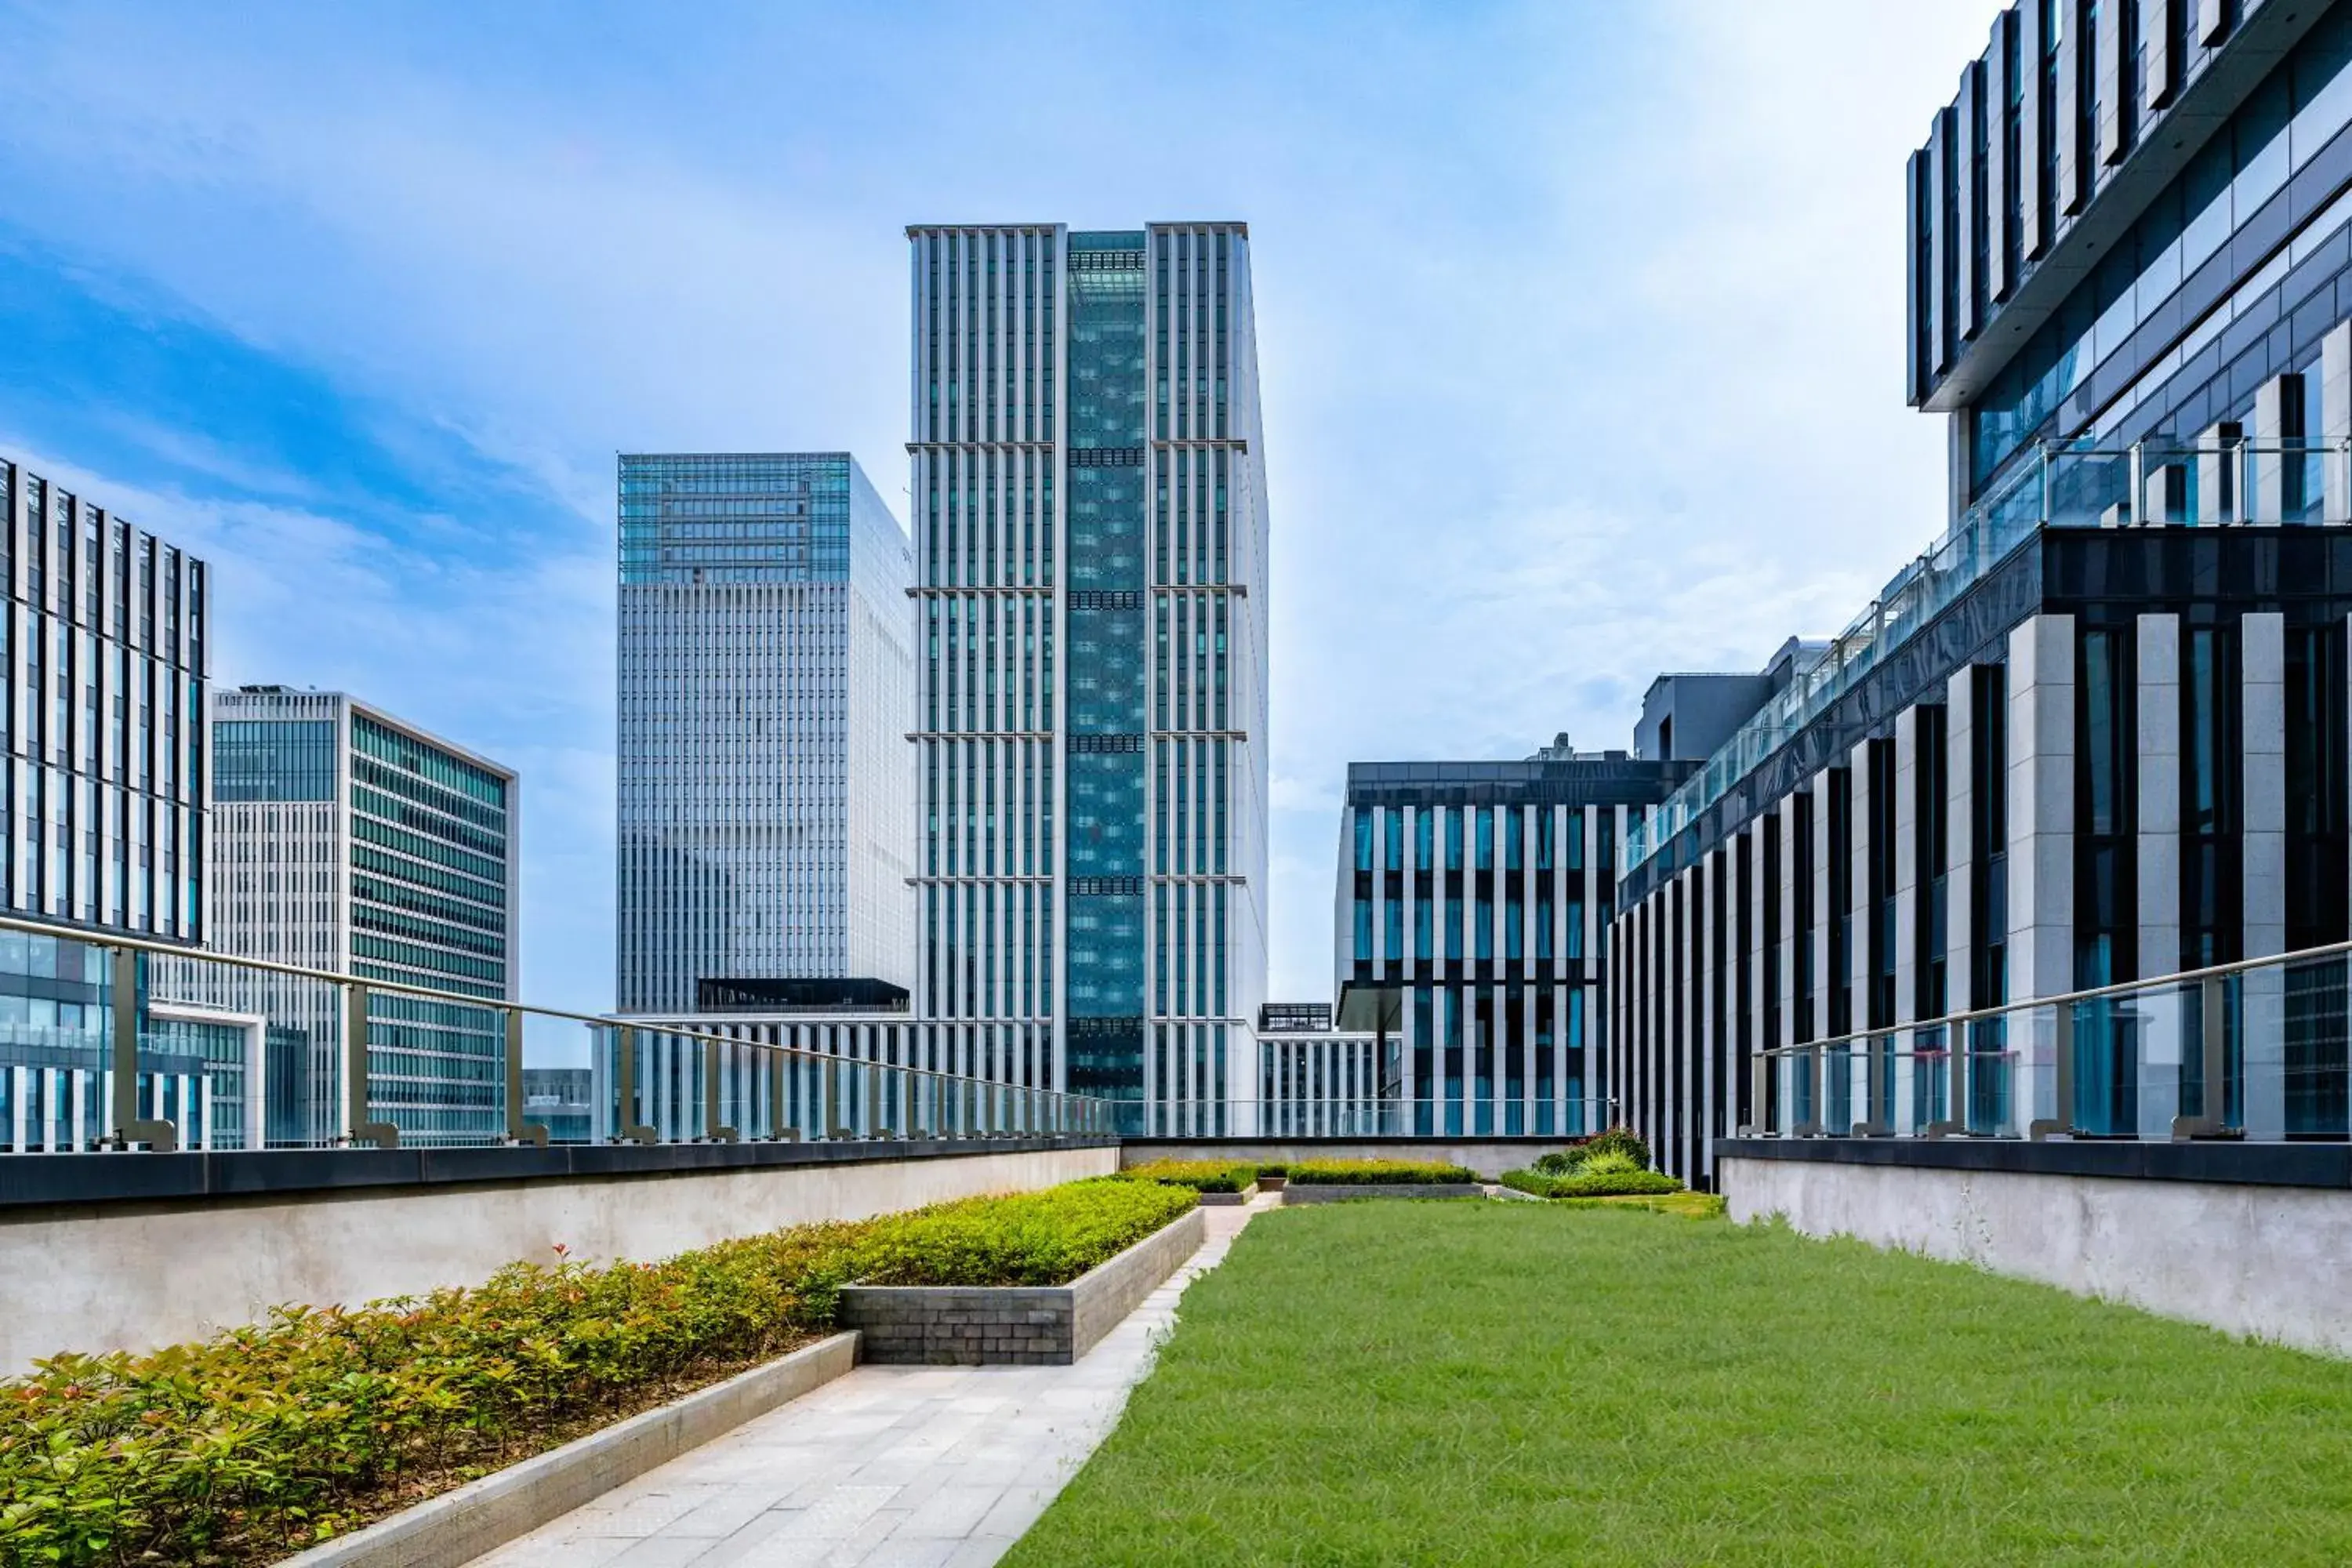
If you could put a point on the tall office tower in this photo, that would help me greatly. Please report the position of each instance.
(345, 839)
(1090, 536)
(766, 787)
(103, 656)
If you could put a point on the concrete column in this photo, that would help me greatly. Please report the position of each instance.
(2334, 427)
(1907, 910)
(2220, 476)
(2263, 708)
(2040, 847)
(2272, 411)
(2158, 741)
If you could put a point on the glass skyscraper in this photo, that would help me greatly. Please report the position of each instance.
(766, 791)
(345, 839)
(1090, 525)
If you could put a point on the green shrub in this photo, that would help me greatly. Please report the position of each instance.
(1615, 1144)
(1031, 1238)
(263, 1438)
(1588, 1184)
(1375, 1173)
(1613, 1184)
(1621, 1139)
(1607, 1162)
(1274, 1169)
(1201, 1175)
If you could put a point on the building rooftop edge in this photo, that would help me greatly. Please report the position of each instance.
(376, 711)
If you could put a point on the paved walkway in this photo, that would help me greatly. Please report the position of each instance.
(910, 1467)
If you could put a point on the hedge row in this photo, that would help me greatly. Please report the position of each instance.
(264, 1438)
(1201, 1175)
(1375, 1173)
(1600, 1184)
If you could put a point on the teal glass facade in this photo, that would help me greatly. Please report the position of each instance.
(1106, 673)
(748, 516)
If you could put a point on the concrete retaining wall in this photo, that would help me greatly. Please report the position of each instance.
(2275, 1262)
(1046, 1325)
(130, 1275)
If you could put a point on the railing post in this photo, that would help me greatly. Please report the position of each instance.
(1951, 1121)
(378, 1134)
(130, 1127)
(831, 1089)
(626, 1127)
(711, 1131)
(872, 1068)
(517, 1129)
(1875, 1089)
(2062, 1124)
(2213, 1104)
(1759, 1067)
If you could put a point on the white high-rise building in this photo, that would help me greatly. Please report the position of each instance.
(766, 790)
(349, 840)
(1089, 513)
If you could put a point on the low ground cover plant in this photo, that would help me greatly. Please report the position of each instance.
(1201, 1175)
(1618, 1177)
(1376, 1172)
(266, 1437)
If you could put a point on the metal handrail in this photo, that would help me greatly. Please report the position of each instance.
(2068, 998)
(2209, 981)
(129, 1130)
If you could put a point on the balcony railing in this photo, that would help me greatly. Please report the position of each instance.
(2254, 1050)
(136, 993)
(2151, 484)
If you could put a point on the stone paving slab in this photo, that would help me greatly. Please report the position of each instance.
(890, 1467)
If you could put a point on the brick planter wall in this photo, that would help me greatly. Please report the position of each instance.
(1295, 1193)
(1021, 1325)
(1229, 1200)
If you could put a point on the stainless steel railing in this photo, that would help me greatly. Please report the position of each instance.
(805, 1094)
(2259, 1049)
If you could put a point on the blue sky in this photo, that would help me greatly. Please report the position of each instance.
(1580, 323)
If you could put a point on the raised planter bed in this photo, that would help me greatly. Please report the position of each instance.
(1341, 1194)
(481, 1516)
(1018, 1325)
(1229, 1200)
(1272, 1183)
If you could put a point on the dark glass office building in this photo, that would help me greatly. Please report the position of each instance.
(2097, 731)
(102, 795)
(1474, 905)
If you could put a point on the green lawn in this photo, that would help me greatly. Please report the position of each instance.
(1505, 1383)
